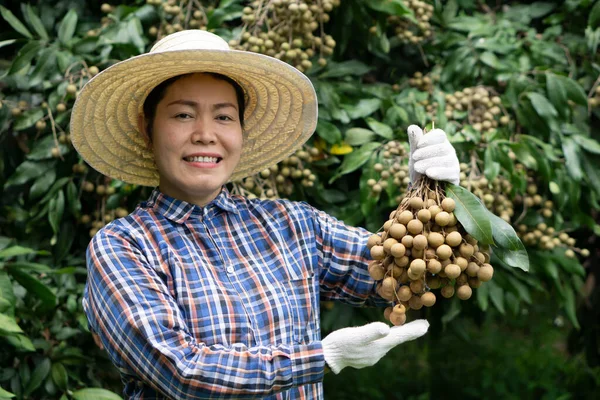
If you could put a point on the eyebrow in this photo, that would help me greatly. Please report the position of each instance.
(191, 103)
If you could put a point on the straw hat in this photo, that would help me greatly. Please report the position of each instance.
(281, 106)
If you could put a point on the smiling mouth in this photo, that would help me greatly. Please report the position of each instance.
(207, 160)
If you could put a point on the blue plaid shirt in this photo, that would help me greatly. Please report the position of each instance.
(221, 301)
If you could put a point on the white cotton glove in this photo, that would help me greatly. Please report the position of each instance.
(432, 155)
(363, 346)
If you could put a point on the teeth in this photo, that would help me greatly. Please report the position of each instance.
(202, 159)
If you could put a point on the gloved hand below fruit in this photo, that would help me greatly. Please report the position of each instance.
(364, 346)
(432, 155)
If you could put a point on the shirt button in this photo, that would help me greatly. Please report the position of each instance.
(230, 270)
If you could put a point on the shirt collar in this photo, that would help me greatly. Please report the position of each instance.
(180, 211)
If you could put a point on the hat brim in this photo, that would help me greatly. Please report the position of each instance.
(281, 110)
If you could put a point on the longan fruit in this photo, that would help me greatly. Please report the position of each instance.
(399, 309)
(430, 253)
(415, 303)
(386, 294)
(448, 204)
(404, 277)
(404, 293)
(398, 250)
(453, 221)
(374, 239)
(464, 292)
(434, 210)
(434, 282)
(447, 291)
(388, 224)
(463, 279)
(417, 253)
(462, 263)
(417, 286)
(415, 226)
(428, 299)
(387, 312)
(424, 215)
(397, 231)
(435, 239)
(402, 261)
(388, 243)
(434, 266)
(479, 256)
(466, 250)
(472, 269)
(453, 239)
(397, 271)
(416, 203)
(442, 218)
(405, 216)
(474, 283)
(470, 239)
(452, 271)
(443, 252)
(407, 241)
(377, 252)
(397, 319)
(376, 271)
(420, 242)
(418, 266)
(485, 273)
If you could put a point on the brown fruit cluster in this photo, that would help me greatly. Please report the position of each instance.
(409, 32)
(177, 15)
(279, 180)
(289, 30)
(494, 194)
(393, 167)
(424, 83)
(424, 248)
(483, 108)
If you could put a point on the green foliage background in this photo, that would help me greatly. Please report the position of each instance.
(523, 335)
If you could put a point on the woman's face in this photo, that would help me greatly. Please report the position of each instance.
(196, 138)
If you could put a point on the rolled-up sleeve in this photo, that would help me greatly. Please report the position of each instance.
(130, 308)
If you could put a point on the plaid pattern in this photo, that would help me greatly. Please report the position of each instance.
(221, 301)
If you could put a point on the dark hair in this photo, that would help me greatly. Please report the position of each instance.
(157, 94)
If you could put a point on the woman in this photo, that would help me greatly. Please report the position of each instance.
(200, 294)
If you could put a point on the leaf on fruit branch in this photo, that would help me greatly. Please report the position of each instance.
(471, 213)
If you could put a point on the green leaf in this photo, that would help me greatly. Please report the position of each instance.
(572, 158)
(29, 266)
(490, 60)
(35, 287)
(542, 106)
(42, 184)
(6, 289)
(557, 93)
(594, 17)
(73, 199)
(363, 108)
(24, 56)
(380, 128)
(471, 213)
(27, 171)
(95, 394)
(588, 144)
(56, 211)
(14, 251)
(391, 7)
(328, 132)
(9, 325)
(14, 22)
(42, 149)
(28, 119)
(358, 136)
(59, 376)
(5, 394)
(496, 295)
(492, 168)
(355, 160)
(508, 247)
(40, 373)
(483, 295)
(46, 63)
(67, 27)
(570, 306)
(574, 90)
(36, 22)
(7, 42)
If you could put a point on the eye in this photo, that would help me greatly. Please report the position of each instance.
(183, 116)
(224, 117)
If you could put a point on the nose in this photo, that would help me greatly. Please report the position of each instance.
(203, 132)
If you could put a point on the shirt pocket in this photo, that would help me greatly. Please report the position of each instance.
(300, 291)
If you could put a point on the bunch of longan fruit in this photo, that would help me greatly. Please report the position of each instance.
(289, 30)
(483, 107)
(423, 248)
(408, 31)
